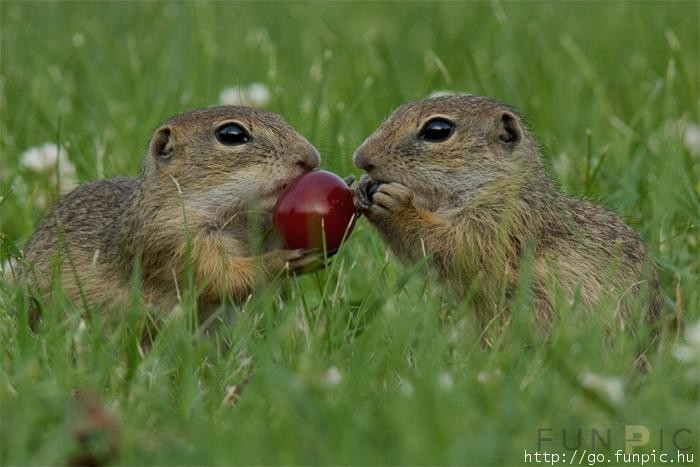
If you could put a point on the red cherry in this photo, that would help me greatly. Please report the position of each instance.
(315, 203)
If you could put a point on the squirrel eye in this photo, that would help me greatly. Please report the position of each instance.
(436, 130)
(232, 134)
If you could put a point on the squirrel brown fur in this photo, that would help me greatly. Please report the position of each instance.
(471, 193)
(210, 177)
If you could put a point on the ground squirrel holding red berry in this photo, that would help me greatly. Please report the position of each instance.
(205, 193)
(460, 180)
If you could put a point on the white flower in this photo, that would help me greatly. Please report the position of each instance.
(689, 351)
(44, 159)
(484, 377)
(258, 94)
(78, 40)
(613, 388)
(405, 387)
(332, 376)
(445, 381)
(685, 353)
(255, 95)
(232, 96)
(691, 138)
(562, 165)
(316, 71)
(692, 334)
(306, 105)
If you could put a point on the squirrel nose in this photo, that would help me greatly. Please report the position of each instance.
(362, 162)
(309, 159)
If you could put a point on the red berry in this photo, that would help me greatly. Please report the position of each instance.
(315, 203)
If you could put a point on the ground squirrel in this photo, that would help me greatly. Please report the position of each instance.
(210, 176)
(460, 179)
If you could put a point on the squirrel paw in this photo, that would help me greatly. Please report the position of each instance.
(390, 199)
(303, 261)
(364, 191)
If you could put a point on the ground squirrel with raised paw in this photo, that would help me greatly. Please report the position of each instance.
(210, 180)
(460, 180)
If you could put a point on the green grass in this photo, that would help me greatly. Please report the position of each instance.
(608, 88)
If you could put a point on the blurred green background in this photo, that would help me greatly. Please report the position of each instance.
(365, 363)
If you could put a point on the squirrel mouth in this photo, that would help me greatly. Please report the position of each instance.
(276, 191)
(278, 188)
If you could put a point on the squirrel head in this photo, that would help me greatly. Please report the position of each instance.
(450, 147)
(226, 154)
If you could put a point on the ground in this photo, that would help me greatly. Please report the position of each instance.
(368, 362)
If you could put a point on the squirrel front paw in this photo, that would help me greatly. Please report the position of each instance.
(389, 202)
(299, 261)
(364, 191)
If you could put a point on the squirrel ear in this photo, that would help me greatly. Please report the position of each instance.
(162, 147)
(509, 131)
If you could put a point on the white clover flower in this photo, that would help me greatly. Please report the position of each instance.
(692, 334)
(689, 351)
(41, 202)
(44, 159)
(684, 353)
(691, 138)
(258, 94)
(562, 165)
(234, 95)
(332, 376)
(445, 381)
(306, 105)
(484, 376)
(405, 388)
(612, 388)
(254, 95)
(316, 72)
(78, 40)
